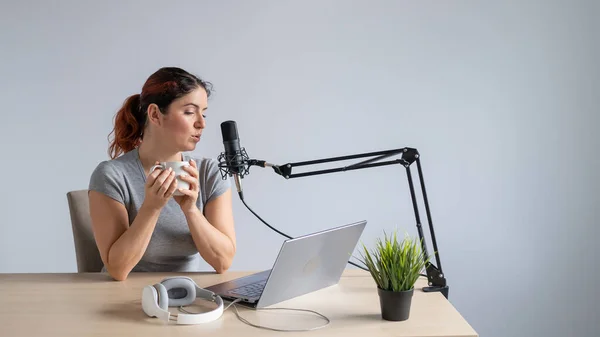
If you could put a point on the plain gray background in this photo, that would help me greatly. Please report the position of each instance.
(500, 98)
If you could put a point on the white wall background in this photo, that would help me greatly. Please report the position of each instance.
(501, 99)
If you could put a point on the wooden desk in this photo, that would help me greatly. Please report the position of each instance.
(94, 305)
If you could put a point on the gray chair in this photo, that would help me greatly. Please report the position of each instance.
(86, 251)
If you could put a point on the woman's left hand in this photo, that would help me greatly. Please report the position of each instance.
(187, 201)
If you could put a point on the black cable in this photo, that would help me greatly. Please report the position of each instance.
(281, 233)
(287, 236)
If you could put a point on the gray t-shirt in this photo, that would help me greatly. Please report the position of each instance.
(171, 248)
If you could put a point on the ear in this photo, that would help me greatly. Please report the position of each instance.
(154, 114)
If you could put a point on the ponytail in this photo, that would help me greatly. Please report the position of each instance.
(128, 127)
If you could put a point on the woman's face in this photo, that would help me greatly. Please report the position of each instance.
(183, 124)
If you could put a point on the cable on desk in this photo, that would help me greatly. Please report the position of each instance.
(242, 319)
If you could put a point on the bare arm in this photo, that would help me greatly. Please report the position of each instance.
(122, 246)
(213, 233)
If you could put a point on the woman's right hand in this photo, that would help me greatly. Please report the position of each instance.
(160, 186)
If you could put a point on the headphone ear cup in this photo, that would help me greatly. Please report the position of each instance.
(150, 301)
(163, 298)
(182, 290)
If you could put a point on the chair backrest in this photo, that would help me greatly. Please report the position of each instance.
(86, 251)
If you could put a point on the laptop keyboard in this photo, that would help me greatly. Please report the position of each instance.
(249, 290)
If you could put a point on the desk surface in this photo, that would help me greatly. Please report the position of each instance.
(94, 305)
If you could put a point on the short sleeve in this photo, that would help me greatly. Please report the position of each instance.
(215, 184)
(107, 180)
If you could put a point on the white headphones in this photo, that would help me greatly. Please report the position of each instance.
(179, 291)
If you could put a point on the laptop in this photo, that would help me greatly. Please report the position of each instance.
(303, 265)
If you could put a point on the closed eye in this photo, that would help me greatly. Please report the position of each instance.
(193, 113)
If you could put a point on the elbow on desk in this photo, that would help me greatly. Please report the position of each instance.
(221, 270)
(117, 275)
(222, 266)
(222, 262)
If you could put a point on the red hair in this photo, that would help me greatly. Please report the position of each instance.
(127, 131)
(161, 88)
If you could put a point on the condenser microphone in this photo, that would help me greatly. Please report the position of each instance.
(233, 162)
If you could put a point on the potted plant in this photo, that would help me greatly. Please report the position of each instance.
(395, 267)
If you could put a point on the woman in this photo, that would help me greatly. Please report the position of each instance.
(138, 224)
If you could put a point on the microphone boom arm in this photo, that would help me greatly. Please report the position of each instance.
(435, 276)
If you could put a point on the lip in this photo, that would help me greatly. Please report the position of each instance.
(196, 138)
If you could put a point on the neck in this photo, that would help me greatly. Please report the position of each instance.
(151, 152)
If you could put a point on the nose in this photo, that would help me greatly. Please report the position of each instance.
(200, 122)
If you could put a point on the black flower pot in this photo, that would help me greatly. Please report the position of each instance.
(395, 305)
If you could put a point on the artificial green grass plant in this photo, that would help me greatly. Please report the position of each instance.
(394, 265)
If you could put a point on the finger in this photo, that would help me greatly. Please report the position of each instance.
(164, 180)
(191, 171)
(156, 182)
(152, 177)
(159, 176)
(193, 168)
(162, 189)
(188, 179)
(172, 188)
(187, 192)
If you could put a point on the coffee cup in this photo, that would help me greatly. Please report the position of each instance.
(177, 167)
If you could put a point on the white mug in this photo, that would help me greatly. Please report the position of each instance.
(177, 167)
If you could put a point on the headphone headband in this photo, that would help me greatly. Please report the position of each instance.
(179, 291)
